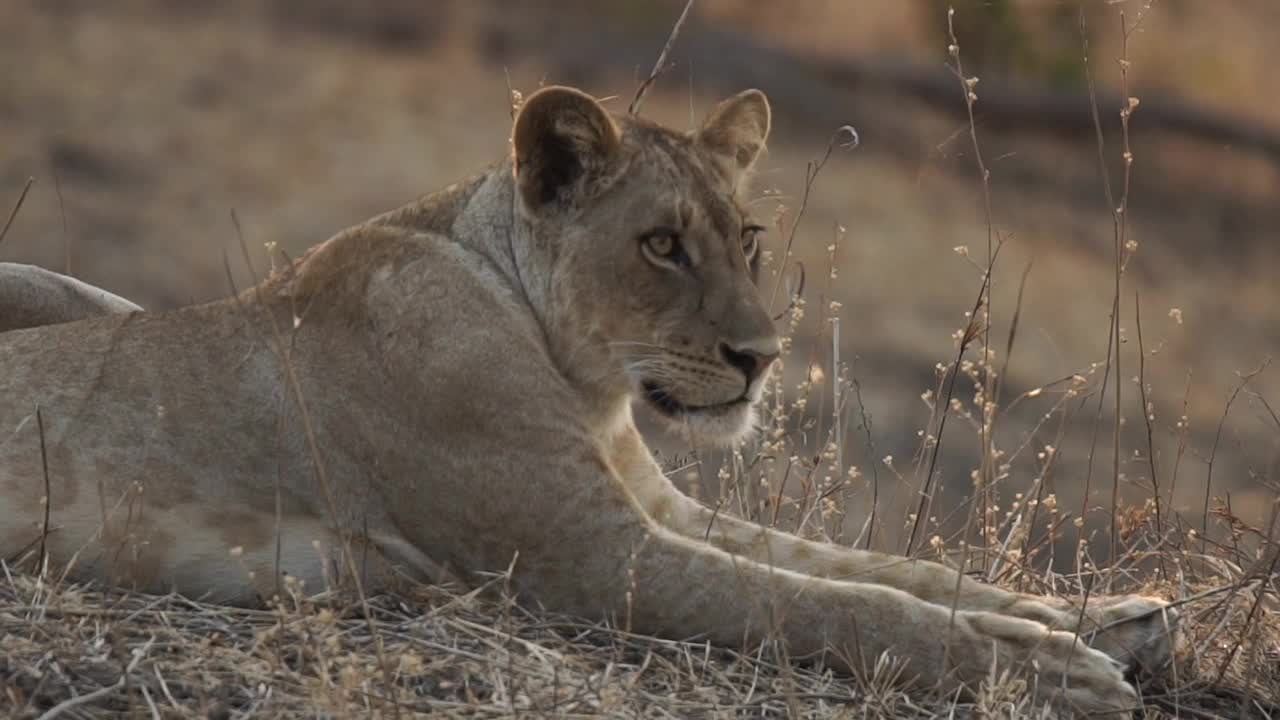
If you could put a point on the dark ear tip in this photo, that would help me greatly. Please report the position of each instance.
(555, 105)
(546, 101)
(551, 91)
(555, 101)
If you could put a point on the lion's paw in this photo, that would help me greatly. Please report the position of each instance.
(1140, 632)
(1066, 671)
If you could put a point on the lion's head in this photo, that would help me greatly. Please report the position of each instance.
(650, 254)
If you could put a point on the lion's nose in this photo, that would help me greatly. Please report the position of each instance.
(752, 362)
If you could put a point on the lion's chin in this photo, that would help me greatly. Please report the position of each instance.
(719, 430)
(722, 424)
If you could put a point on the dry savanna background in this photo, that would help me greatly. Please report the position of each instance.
(1031, 315)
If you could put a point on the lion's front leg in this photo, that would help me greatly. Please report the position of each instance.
(926, 580)
(675, 586)
(1137, 631)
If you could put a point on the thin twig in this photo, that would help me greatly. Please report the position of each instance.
(75, 702)
(988, 409)
(971, 331)
(48, 496)
(16, 207)
(1147, 419)
(62, 212)
(1113, 339)
(1213, 451)
(661, 65)
(812, 169)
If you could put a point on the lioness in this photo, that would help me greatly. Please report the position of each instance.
(31, 296)
(445, 391)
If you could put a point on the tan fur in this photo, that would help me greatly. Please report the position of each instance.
(465, 367)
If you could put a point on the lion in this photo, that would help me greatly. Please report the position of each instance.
(31, 296)
(445, 392)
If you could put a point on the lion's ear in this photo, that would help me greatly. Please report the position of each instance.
(735, 131)
(561, 136)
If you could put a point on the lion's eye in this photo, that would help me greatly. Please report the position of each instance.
(663, 247)
(751, 240)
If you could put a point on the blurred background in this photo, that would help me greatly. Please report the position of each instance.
(145, 122)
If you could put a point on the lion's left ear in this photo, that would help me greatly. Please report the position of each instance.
(562, 136)
(735, 131)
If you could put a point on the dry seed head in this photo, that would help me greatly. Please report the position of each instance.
(410, 664)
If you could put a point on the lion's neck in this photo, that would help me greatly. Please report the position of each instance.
(481, 214)
(491, 223)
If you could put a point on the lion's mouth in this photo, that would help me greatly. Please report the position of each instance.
(664, 402)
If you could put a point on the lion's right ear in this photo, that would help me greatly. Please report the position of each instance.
(735, 131)
(561, 136)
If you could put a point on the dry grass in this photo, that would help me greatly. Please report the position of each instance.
(74, 652)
